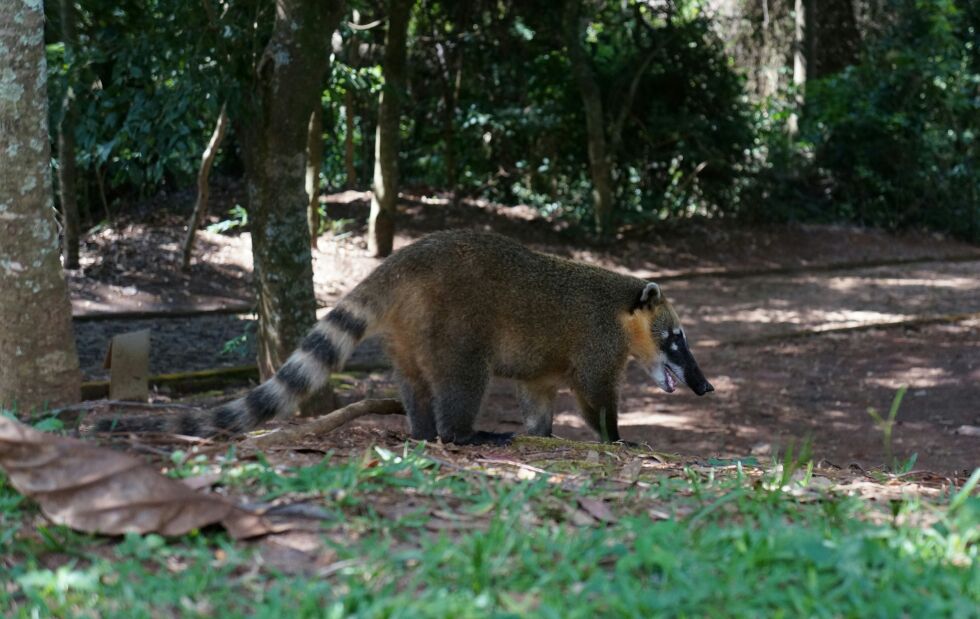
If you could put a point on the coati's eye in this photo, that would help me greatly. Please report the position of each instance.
(664, 335)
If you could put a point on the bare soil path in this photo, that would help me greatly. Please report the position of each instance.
(739, 291)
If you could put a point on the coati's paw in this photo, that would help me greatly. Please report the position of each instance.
(488, 438)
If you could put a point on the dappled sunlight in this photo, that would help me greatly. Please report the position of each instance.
(677, 421)
(847, 284)
(719, 310)
(809, 317)
(914, 377)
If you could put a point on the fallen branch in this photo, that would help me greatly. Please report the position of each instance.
(287, 437)
(97, 404)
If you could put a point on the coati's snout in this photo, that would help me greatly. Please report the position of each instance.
(676, 365)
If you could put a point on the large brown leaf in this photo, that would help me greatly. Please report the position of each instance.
(98, 490)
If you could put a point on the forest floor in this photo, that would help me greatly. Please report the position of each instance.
(801, 329)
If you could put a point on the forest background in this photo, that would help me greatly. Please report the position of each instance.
(610, 113)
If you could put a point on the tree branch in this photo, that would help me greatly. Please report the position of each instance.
(288, 437)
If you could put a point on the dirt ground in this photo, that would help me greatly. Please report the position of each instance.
(878, 310)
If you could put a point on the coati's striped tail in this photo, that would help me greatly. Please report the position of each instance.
(324, 349)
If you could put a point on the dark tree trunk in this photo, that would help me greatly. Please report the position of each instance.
(273, 130)
(67, 185)
(314, 159)
(203, 188)
(385, 190)
(349, 118)
(600, 163)
(38, 362)
(832, 37)
(450, 62)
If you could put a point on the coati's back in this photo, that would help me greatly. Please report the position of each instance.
(492, 294)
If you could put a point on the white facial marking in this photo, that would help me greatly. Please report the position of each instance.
(677, 331)
(673, 346)
(664, 335)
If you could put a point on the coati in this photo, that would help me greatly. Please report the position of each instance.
(457, 307)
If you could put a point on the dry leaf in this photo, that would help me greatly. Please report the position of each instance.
(580, 518)
(98, 490)
(200, 482)
(632, 470)
(598, 509)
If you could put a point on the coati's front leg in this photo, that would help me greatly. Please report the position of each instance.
(537, 401)
(599, 404)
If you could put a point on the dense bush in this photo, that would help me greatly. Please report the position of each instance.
(146, 93)
(520, 126)
(895, 136)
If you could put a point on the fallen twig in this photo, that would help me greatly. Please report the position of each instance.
(95, 404)
(287, 437)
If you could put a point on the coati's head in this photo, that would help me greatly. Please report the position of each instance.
(659, 342)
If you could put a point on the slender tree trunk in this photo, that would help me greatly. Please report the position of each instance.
(350, 105)
(67, 185)
(273, 129)
(450, 72)
(381, 226)
(349, 118)
(600, 163)
(314, 159)
(203, 189)
(38, 362)
(368, 127)
(799, 64)
(832, 37)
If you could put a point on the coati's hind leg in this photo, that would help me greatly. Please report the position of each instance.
(458, 390)
(537, 401)
(598, 400)
(416, 395)
(417, 399)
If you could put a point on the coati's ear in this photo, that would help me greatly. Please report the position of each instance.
(649, 296)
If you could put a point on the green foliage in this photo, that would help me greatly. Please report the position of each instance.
(895, 137)
(146, 92)
(493, 110)
(237, 218)
(886, 425)
(519, 127)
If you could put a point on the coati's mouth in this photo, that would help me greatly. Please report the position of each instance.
(665, 378)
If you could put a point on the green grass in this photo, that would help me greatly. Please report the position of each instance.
(734, 544)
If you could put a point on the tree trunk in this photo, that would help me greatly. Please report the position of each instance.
(799, 64)
(203, 191)
(314, 159)
(273, 129)
(832, 37)
(350, 105)
(38, 362)
(600, 163)
(450, 73)
(66, 145)
(349, 116)
(381, 225)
